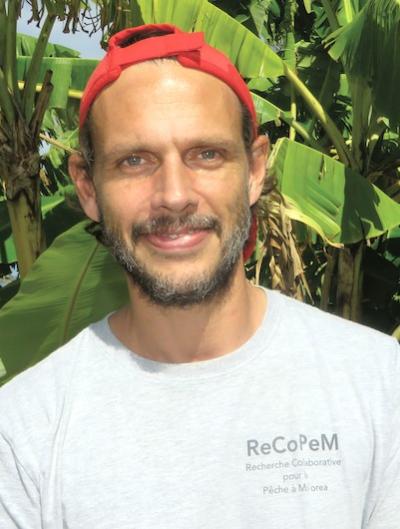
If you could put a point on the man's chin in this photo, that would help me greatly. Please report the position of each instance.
(181, 292)
(204, 277)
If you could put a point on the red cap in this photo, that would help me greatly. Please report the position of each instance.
(190, 49)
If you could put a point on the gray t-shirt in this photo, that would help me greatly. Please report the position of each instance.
(299, 428)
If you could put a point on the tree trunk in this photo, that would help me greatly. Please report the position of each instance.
(331, 261)
(22, 187)
(350, 282)
(27, 230)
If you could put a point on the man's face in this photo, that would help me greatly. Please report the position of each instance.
(173, 180)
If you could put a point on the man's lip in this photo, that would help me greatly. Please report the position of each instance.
(181, 240)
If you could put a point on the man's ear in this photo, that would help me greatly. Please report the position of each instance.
(258, 166)
(84, 185)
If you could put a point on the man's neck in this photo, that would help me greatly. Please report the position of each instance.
(201, 332)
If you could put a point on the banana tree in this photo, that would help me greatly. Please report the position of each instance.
(29, 85)
(317, 167)
(347, 57)
(362, 37)
(59, 122)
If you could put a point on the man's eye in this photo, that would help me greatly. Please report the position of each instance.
(209, 154)
(134, 160)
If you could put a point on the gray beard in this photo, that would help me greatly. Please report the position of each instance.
(165, 292)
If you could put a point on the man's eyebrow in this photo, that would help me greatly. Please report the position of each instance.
(220, 143)
(121, 149)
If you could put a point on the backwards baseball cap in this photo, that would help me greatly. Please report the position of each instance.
(190, 50)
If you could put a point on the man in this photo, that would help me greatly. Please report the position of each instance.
(206, 402)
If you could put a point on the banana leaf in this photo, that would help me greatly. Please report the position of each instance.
(251, 56)
(26, 46)
(370, 46)
(8, 292)
(68, 73)
(261, 12)
(307, 5)
(343, 10)
(267, 111)
(72, 284)
(347, 10)
(338, 203)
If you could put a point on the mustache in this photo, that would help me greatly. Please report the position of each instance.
(167, 224)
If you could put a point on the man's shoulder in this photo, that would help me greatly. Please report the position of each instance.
(342, 354)
(325, 329)
(41, 388)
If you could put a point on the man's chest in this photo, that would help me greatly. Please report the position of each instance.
(225, 459)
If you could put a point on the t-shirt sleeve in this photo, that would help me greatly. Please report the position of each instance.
(19, 495)
(386, 512)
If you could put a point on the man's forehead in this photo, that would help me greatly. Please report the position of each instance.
(161, 81)
(159, 73)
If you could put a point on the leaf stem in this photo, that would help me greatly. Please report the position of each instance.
(3, 30)
(6, 102)
(290, 56)
(333, 23)
(10, 57)
(57, 144)
(316, 108)
(298, 127)
(322, 97)
(331, 259)
(32, 75)
(73, 94)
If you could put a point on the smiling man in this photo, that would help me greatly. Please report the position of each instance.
(206, 402)
(170, 186)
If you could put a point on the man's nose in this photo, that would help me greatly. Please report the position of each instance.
(173, 187)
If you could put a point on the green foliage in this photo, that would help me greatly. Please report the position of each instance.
(68, 73)
(59, 121)
(373, 35)
(249, 53)
(32, 80)
(73, 283)
(340, 177)
(338, 203)
(26, 45)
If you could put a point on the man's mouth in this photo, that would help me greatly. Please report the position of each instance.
(174, 241)
(177, 234)
(174, 235)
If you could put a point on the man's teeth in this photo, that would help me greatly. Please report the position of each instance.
(177, 235)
